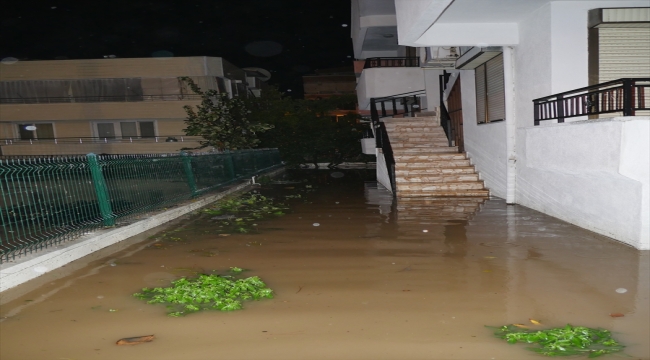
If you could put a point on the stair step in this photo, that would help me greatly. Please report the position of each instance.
(421, 150)
(423, 144)
(432, 163)
(438, 201)
(434, 171)
(442, 193)
(470, 185)
(429, 157)
(414, 127)
(442, 178)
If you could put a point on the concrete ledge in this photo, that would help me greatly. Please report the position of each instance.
(34, 265)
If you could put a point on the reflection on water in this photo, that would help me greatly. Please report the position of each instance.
(378, 279)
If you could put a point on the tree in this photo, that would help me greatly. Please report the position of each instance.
(223, 122)
(304, 131)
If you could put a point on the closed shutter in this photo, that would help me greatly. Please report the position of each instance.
(623, 53)
(496, 99)
(479, 74)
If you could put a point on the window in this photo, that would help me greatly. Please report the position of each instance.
(125, 129)
(490, 91)
(36, 131)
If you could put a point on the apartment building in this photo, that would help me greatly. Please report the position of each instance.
(109, 106)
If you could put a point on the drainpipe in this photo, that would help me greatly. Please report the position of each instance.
(511, 125)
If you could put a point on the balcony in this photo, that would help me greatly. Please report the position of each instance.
(387, 76)
(95, 99)
(84, 145)
(626, 97)
(392, 62)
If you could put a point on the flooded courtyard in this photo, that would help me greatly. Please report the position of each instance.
(356, 275)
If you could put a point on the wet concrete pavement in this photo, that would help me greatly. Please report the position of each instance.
(377, 279)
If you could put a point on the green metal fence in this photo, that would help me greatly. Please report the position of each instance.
(46, 201)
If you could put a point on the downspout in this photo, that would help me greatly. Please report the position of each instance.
(511, 125)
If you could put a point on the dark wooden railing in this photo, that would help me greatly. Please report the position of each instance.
(623, 95)
(392, 62)
(409, 104)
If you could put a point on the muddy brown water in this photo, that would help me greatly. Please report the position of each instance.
(377, 279)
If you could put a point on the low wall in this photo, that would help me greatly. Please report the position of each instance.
(383, 176)
(594, 174)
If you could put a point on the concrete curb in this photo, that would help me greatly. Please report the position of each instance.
(30, 267)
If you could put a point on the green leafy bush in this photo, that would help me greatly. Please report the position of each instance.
(207, 292)
(564, 341)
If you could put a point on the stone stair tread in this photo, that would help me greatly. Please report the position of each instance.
(436, 178)
(434, 150)
(434, 163)
(455, 193)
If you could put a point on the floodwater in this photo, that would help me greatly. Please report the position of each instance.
(377, 279)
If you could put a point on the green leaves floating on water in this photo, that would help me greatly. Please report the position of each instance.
(240, 214)
(564, 341)
(207, 292)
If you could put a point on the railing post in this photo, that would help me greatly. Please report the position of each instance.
(230, 165)
(536, 112)
(406, 106)
(628, 97)
(189, 174)
(559, 106)
(451, 132)
(101, 190)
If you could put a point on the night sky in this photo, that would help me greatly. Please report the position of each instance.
(290, 38)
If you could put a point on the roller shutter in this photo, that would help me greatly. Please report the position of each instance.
(624, 52)
(496, 99)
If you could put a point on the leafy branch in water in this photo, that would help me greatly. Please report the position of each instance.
(240, 213)
(563, 341)
(207, 292)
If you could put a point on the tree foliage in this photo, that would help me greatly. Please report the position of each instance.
(304, 131)
(223, 122)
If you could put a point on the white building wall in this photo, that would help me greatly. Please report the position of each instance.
(432, 85)
(593, 174)
(380, 82)
(569, 47)
(485, 144)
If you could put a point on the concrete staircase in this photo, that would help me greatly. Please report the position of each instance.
(425, 164)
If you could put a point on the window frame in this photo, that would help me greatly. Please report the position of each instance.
(486, 94)
(117, 128)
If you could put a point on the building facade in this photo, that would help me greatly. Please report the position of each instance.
(516, 75)
(112, 106)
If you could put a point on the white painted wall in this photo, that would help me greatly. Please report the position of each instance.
(383, 176)
(594, 174)
(569, 48)
(432, 85)
(380, 82)
(485, 144)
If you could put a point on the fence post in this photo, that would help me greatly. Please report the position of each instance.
(101, 190)
(559, 106)
(628, 97)
(230, 166)
(189, 174)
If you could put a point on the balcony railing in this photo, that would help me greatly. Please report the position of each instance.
(392, 62)
(102, 140)
(625, 96)
(93, 99)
